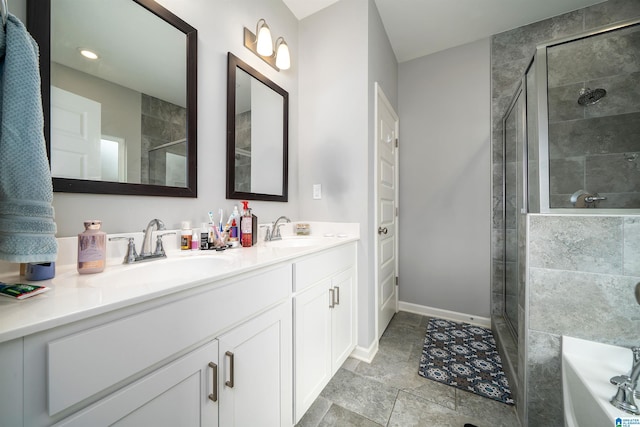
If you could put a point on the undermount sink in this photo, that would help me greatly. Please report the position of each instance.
(587, 367)
(297, 242)
(172, 269)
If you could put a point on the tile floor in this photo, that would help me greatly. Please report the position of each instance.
(389, 391)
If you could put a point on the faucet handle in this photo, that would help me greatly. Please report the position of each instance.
(636, 355)
(131, 254)
(159, 246)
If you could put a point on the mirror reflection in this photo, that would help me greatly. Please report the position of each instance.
(121, 83)
(257, 121)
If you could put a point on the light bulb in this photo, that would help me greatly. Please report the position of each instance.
(263, 39)
(283, 58)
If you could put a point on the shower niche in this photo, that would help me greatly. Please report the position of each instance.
(571, 139)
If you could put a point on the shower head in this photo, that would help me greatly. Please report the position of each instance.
(590, 96)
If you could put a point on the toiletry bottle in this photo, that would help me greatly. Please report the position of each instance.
(195, 241)
(233, 233)
(246, 226)
(204, 236)
(185, 236)
(92, 248)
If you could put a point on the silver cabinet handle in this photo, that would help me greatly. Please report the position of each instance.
(382, 230)
(231, 374)
(214, 391)
(332, 297)
(337, 288)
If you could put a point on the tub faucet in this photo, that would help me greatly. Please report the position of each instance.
(627, 387)
(274, 233)
(154, 224)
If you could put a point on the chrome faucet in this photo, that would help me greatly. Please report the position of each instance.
(145, 252)
(154, 224)
(274, 233)
(627, 387)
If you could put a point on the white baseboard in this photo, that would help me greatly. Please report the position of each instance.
(444, 314)
(365, 354)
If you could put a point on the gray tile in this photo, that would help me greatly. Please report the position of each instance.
(406, 318)
(315, 413)
(611, 11)
(612, 173)
(584, 305)
(340, 417)
(544, 404)
(632, 246)
(411, 410)
(600, 135)
(363, 396)
(591, 244)
(351, 364)
(486, 411)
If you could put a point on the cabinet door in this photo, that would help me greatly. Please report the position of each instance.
(313, 344)
(255, 378)
(343, 333)
(178, 394)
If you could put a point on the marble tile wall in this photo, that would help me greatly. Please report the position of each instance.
(537, 364)
(581, 280)
(595, 147)
(162, 122)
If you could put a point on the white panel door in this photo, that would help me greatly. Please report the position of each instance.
(255, 379)
(343, 318)
(313, 344)
(75, 136)
(386, 203)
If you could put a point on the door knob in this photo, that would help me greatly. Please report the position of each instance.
(382, 230)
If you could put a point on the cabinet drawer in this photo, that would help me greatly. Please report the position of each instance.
(85, 363)
(323, 265)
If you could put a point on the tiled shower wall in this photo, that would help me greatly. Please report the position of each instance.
(595, 147)
(582, 274)
(162, 122)
(538, 350)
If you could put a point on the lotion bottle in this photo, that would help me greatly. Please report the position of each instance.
(92, 248)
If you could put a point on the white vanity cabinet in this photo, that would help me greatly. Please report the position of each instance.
(155, 364)
(324, 319)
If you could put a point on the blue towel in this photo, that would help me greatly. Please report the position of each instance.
(27, 228)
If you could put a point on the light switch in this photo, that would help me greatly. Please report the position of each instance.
(317, 191)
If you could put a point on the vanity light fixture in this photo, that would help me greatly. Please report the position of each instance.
(261, 43)
(89, 54)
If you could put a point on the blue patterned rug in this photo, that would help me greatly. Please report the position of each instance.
(464, 356)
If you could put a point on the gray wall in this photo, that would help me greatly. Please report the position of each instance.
(337, 72)
(445, 180)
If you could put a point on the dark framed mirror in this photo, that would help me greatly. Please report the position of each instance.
(257, 135)
(126, 121)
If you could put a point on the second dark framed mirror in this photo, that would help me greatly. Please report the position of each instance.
(257, 135)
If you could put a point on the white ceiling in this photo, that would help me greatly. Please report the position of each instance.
(421, 27)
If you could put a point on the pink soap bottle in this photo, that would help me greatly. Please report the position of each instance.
(92, 248)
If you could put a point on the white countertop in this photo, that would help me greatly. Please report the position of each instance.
(74, 297)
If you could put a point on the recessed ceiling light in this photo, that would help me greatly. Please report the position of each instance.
(88, 53)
